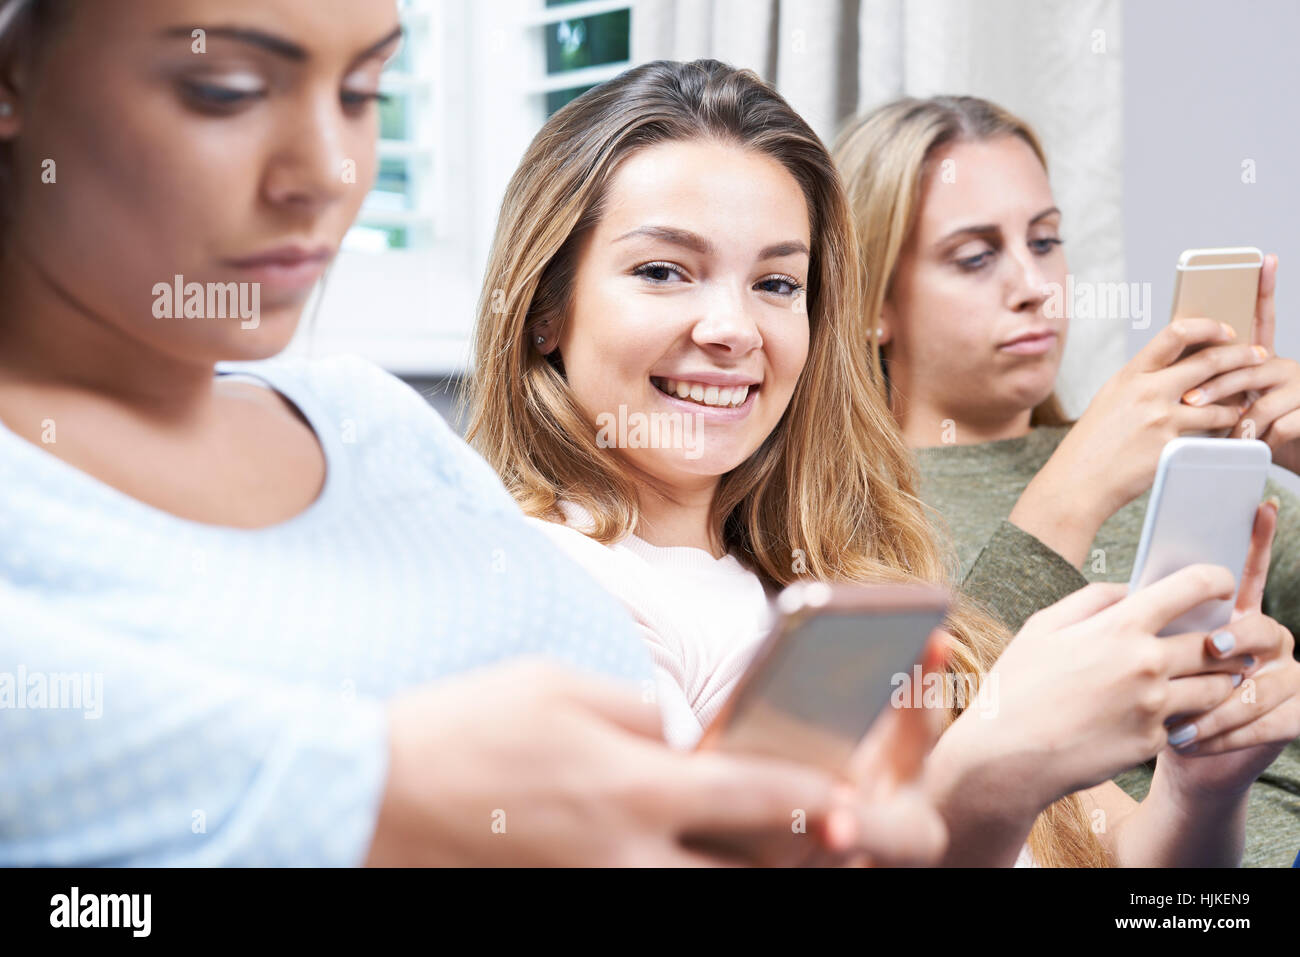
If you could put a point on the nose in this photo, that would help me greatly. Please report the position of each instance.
(309, 168)
(1028, 284)
(726, 324)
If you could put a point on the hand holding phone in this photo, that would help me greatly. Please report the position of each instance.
(826, 670)
(1201, 511)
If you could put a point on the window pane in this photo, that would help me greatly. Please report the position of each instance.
(392, 185)
(557, 98)
(589, 41)
(376, 239)
(392, 118)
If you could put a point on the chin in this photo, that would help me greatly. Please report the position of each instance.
(675, 466)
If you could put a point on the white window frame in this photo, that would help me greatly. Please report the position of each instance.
(484, 81)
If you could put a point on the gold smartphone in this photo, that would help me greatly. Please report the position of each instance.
(1220, 284)
(826, 670)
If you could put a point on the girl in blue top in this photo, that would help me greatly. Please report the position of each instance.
(225, 595)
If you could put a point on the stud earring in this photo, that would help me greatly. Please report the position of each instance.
(6, 108)
(541, 340)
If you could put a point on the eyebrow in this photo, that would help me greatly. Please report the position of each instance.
(697, 243)
(992, 229)
(274, 44)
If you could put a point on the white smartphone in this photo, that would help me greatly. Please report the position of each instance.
(1202, 509)
(826, 670)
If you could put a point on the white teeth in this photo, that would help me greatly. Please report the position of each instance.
(705, 394)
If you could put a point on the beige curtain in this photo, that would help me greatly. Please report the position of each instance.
(1057, 63)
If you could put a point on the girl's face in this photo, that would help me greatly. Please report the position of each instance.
(222, 141)
(687, 314)
(966, 320)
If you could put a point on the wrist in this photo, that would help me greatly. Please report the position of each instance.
(1173, 785)
(1061, 512)
(987, 803)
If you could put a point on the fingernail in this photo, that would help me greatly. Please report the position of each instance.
(1228, 331)
(1225, 641)
(1248, 663)
(1194, 397)
(1261, 352)
(1181, 736)
(1236, 680)
(1275, 502)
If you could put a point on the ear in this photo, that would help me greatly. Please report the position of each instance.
(885, 324)
(544, 339)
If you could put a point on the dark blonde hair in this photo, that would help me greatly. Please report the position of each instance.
(830, 492)
(884, 157)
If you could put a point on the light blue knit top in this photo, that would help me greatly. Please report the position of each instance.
(180, 693)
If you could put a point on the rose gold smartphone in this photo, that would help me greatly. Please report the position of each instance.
(827, 670)
(1219, 284)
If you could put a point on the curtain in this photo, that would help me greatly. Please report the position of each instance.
(1056, 63)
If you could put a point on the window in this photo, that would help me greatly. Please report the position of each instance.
(469, 89)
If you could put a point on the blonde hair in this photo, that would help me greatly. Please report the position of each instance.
(830, 491)
(883, 157)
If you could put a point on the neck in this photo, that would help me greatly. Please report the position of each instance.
(679, 516)
(925, 422)
(49, 338)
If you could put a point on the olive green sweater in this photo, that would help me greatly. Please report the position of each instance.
(973, 489)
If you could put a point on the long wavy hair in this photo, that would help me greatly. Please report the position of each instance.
(883, 157)
(829, 494)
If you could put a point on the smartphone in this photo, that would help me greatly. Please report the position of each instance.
(1202, 509)
(826, 670)
(1220, 284)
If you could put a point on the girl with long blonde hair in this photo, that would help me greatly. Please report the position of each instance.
(965, 324)
(677, 244)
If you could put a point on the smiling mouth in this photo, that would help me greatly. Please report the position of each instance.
(725, 397)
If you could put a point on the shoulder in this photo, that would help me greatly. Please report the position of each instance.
(378, 419)
(569, 537)
(344, 385)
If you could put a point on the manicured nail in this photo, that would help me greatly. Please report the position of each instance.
(1194, 397)
(1261, 352)
(1275, 502)
(1236, 680)
(1181, 736)
(1228, 331)
(1225, 641)
(1248, 662)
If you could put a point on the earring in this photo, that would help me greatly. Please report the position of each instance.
(880, 331)
(6, 108)
(541, 340)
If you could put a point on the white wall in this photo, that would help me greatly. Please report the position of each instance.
(1209, 84)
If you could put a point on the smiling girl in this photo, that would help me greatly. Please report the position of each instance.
(677, 242)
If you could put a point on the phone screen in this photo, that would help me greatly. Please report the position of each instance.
(816, 695)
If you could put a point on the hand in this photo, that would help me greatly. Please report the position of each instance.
(1269, 393)
(1109, 456)
(525, 764)
(1085, 689)
(1238, 739)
